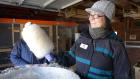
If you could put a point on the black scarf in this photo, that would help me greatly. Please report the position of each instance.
(102, 32)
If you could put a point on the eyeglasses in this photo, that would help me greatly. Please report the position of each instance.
(95, 16)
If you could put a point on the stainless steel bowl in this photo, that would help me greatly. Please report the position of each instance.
(40, 73)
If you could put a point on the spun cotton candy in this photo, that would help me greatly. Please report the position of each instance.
(37, 40)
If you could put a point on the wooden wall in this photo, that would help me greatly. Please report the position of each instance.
(120, 28)
(130, 33)
(127, 28)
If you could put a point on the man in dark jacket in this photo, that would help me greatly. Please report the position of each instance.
(35, 47)
(99, 53)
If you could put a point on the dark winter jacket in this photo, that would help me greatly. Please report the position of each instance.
(104, 58)
(21, 55)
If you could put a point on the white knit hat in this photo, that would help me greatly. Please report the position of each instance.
(103, 6)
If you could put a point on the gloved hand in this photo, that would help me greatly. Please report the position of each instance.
(51, 57)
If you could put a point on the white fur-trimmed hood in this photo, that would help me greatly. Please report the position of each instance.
(37, 40)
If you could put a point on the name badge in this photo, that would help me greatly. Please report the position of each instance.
(84, 46)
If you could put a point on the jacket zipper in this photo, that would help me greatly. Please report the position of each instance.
(93, 42)
(94, 45)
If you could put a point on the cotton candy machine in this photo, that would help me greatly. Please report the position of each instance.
(39, 73)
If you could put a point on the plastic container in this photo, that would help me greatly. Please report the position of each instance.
(137, 71)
